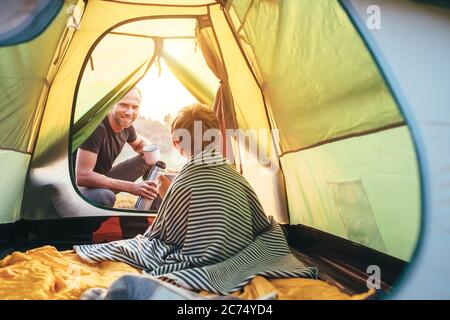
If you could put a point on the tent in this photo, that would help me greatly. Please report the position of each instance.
(347, 99)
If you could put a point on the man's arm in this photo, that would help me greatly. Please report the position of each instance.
(139, 143)
(87, 177)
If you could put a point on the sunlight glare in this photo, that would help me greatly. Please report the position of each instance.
(162, 94)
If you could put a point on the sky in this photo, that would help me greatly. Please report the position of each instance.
(162, 94)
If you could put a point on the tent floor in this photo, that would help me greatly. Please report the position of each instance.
(345, 280)
(348, 282)
(341, 262)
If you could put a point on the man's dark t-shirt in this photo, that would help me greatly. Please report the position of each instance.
(107, 144)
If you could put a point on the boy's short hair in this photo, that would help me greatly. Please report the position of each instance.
(186, 119)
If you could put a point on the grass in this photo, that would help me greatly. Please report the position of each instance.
(125, 200)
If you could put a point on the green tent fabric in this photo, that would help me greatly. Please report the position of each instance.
(328, 96)
(13, 171)
(356, 195)
(26, 73)
(24, 80)
(336, 94)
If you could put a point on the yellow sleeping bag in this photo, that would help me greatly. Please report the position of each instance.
(46, 273)
(296, 289)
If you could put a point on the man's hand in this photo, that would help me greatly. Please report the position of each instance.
(145, 189)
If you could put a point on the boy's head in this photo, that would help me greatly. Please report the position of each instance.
(194, 129)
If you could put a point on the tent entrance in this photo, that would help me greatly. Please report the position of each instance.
(169, 46)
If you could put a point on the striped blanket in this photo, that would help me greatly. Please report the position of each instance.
(211, 234)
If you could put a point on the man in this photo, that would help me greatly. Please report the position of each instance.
(96, 177)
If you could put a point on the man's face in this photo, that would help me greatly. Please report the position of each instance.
(126, 110)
